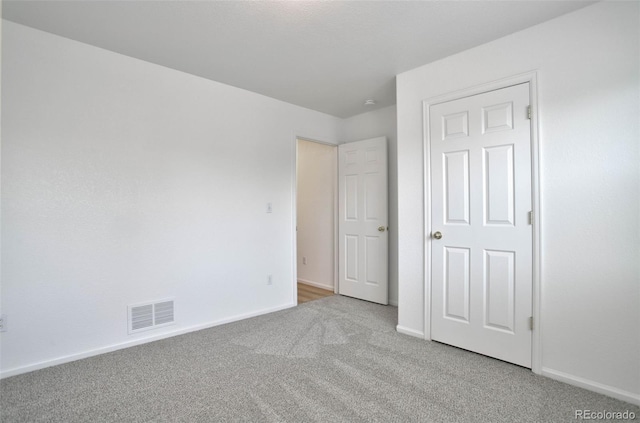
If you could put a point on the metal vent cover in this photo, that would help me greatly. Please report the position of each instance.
(150, 315)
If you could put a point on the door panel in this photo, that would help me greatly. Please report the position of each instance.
(372, 254)
(351, 257)
(499, 185)
(362, 205)
(351, 197)
(480, 199)
(456, 191)
(456, 280)
(499, 284)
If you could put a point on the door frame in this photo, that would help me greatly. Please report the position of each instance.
(294, 206)
(532, 78)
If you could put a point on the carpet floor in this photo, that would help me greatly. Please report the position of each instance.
(332, 360)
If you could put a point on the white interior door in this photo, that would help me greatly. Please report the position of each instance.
(362, 225)
(481, 231)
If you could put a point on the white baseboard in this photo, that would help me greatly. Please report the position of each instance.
(316, 284)
(410, 332)
(139, 341)
(592, 386)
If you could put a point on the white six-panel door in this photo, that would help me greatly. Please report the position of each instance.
(362, 220)
(481, 239)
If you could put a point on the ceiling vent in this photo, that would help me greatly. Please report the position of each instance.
(150, 316)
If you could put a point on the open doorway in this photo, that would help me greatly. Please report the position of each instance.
(316, 202)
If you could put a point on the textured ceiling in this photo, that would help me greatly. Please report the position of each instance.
(328, 56)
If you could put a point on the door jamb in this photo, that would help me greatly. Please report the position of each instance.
(532, 78)
(294, 206)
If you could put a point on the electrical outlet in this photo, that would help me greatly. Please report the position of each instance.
(304, 260)
(270, 280)
(3, 323)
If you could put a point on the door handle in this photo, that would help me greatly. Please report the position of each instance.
(380, 228)
(437, 235)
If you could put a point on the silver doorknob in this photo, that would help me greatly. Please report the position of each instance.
(437, 235)
(381, 228)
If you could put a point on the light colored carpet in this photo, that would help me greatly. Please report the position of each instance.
(332, 360)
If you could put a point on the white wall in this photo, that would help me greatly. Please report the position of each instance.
(124, 182)
(377, 123)
(316, 195)
(588, 75)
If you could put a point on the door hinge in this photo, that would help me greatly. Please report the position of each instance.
(528, 112)
(530, 218)
(531, 323)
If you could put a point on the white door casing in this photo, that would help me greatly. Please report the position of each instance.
(363, 220)
(481, 196)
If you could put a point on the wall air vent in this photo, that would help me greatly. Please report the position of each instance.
(150, 316)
